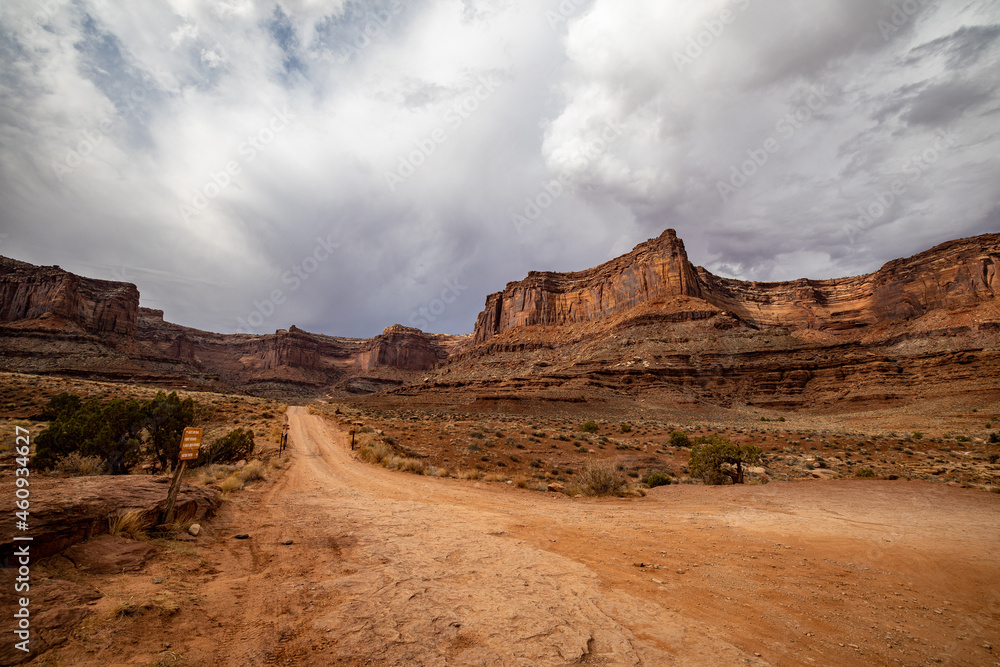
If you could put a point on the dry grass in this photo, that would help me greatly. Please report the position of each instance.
(76, 465)
(232, 483)
(601, 478)
(128, 524)
(253, 471)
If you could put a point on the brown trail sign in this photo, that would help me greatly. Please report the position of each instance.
(190, 442)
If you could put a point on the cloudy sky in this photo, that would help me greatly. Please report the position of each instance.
(343, 165)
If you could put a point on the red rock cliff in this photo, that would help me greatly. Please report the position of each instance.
(953, 275)
(30, 292)
(655, 269)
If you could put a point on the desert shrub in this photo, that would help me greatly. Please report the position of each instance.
(917, 435)
(477, 435)
(415, 466)
(589, 427)
(865, 472)
(718, 461)
(995, 438)
(236, 445)
(562, 437)
(378, 453)
(626, 427)
(59, 406)
(166, 417)
(253, 471)
(539, 434)
(537, 463)
(601, 478)
(232, 483)
(680, 439)
(112, 432)
(75, 464)
(993, 457)
(963, 438)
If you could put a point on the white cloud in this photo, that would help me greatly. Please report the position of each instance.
(369, 83)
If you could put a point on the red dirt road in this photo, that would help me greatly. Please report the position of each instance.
(388, 568)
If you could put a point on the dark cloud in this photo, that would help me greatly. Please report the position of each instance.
(345, 165)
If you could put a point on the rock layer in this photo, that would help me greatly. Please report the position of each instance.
(30, 292)
(957, 274)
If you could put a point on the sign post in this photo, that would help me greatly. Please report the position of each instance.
(190, 442)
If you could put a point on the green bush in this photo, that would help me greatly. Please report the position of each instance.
(718, 461)
(236, 445)
(589, 427)
(656, 479)
(995, 438)
(865, 472)
(680, 439)
(112, 433)
(626, 427)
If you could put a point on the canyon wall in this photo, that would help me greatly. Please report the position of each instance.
(655, 269)
(29, 292)
(956, 274)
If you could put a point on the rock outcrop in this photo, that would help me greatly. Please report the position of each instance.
(957, 274)
(655, 269)
(38, 294)
(52, 321)
(402, 347)
(65, 511)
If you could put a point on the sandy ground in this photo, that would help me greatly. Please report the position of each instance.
(388, 568)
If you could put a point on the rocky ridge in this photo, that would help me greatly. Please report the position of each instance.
(648, 323)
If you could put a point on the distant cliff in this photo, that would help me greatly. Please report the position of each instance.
(953, 275)
(39, 293)
(56, 322)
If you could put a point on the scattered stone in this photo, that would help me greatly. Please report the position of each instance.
(556, 487)
(242, 536)
(159, 580)
(194, 529)
(680, 571)
(288, 543)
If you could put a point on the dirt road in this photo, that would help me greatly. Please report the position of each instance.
(388, 568)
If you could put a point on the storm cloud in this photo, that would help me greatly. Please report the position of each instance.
(342, 166)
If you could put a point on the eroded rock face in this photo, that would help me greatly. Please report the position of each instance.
(953, 275)
(655, 269)
(957, 274)
(401, 347)
(65, 511)
(30, 292)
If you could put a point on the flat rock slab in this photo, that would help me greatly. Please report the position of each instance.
(110, 554)
(57, 607)
(68, 510)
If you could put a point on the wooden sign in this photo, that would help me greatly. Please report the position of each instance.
(190, 442)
